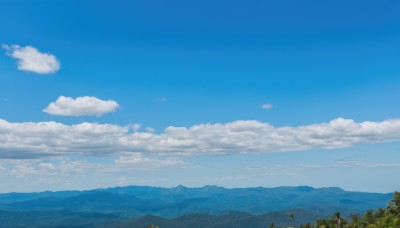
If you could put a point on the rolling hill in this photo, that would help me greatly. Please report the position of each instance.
(217, 206)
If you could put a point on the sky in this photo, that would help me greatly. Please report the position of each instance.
(98, 94)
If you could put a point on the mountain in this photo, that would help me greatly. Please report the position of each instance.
(209, 206)
(42, 219)
(232, 219)
(136, 201)
(73, 219)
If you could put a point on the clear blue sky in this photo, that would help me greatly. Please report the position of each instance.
(183, 63)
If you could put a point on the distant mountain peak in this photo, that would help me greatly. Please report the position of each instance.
(305, 188)
(180, 187)
(212, 187)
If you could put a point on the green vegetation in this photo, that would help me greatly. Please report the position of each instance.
(381, 218)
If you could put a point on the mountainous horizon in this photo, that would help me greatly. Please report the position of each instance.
(124, 206)
(210, 199)
(181, 186)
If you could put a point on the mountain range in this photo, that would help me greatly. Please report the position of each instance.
(212, 206)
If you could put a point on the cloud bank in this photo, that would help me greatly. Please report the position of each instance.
(81, 106)
(41, 139)
(31, 59)
(63, 166)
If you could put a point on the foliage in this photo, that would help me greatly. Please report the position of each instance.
(152, 226)
(381, 218)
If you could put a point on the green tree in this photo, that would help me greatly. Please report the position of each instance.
(394, 204)
(368, 218)
(355, 221)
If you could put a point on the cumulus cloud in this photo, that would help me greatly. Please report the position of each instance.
(81, 106)
(35, 139)
(266, 106)
(31, 59)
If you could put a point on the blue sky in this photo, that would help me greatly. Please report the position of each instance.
(190, 63)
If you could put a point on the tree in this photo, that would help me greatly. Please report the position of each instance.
(382, 218)
(355, 221)
(337, 220)
(394, 204)
(368, 218)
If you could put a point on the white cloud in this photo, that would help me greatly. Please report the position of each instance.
(266, 106)
(56, 167)
(138, 161)
(81, 106)
(31, 59)
(136, 127)
(149, 129)
(35, 139)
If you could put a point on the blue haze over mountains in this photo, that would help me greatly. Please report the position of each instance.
(124, 206)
